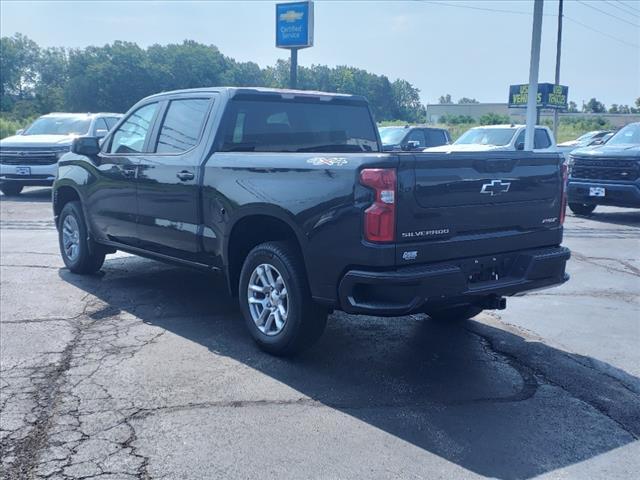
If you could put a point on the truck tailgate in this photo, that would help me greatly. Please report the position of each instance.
(465, 204)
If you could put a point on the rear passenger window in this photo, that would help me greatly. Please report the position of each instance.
(100, 127)
(435, 138)
(182, 125)
(111, 121)
(541, 139)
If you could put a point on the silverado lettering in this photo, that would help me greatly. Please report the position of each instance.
(425, 233)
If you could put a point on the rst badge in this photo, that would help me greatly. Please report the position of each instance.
(411, 255)
(495, 187)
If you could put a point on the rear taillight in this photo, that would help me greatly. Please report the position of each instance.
(563, 196)
(380, 217)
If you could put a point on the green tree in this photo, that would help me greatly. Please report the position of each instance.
(594, 106)
(445, 99)
(572, 107)
(115, 76)
(494, 119)
(52, 79)
(467, 100)
(613, 108)
(407, 102)
(18, 58)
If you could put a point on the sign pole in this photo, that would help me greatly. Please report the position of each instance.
(558, 50)
(532, 96)
(293, 73)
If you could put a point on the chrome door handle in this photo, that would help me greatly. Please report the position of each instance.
(185, 175)
(129, 171)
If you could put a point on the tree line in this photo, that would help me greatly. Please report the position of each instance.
(36, 80)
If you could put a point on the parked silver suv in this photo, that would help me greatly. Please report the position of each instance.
(29, 158)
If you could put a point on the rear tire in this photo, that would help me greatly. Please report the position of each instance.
(11, 189)
(79, 253)
(460, 312)
(582, 208)
(276, 301)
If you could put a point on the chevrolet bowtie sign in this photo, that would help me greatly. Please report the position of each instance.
(294, 25)
(495, 187)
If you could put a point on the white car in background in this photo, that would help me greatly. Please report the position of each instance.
(30, 157)
(499, 137)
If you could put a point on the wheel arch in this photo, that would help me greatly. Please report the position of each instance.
(63, 194)
(254, 227)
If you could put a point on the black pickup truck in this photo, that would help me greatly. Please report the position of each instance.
(289, 195)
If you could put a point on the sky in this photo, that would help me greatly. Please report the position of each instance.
(464, 48)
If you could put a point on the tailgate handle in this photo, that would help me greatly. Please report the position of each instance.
(493, 166)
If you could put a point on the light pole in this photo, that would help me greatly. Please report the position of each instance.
(558, 50)
(532, 95)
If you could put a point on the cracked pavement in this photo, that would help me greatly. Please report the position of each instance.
(144, 371)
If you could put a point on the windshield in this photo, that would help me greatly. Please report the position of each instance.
(486, 136)
(59, 126)
(392, 135)
(586, 136)
(627, 135)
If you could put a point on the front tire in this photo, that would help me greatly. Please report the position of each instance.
(582, 208)
(276, 302)
(79, 253)
(459, 312)
(11, 189)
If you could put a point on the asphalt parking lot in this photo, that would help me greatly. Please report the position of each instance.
(145, 371)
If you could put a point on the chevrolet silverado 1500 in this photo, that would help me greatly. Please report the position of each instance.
(290, 195)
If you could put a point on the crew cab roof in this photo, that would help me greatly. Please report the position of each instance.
(233, 91)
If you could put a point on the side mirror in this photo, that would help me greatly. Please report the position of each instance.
(413, 145)
(20, 131)
(88, 146)
(520, 146)
(101, 132)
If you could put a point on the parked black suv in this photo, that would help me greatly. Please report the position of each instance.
(289, 195)
(606, 174)
(412, 138)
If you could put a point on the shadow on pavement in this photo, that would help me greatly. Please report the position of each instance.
(478, 396)
(31, 195)
(628, 218)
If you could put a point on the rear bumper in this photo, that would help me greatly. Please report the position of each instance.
(616, 194)
(471, 280)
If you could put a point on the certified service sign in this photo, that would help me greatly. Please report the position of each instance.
(294, 25)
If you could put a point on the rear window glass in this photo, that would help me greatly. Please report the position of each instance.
(279, 125)
(541, 139)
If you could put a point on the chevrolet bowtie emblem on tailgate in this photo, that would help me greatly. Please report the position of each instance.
(496, 187)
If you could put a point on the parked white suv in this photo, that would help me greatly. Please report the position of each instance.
(29, 158)
(499, 137)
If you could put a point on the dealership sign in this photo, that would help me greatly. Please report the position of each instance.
(549, 96)
(294, 25)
